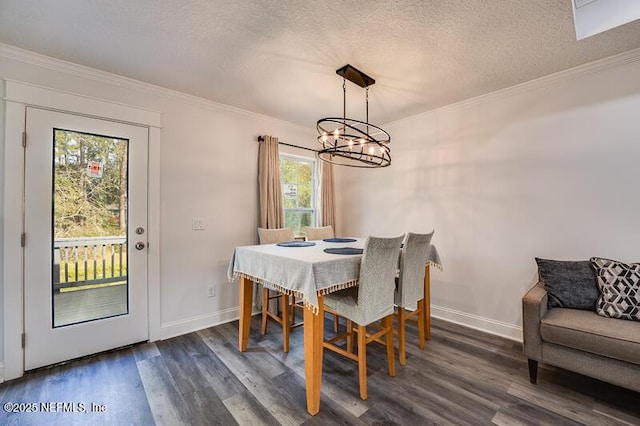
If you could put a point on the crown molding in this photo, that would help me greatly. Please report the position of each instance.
(601, 65)
(82, 71)
(70, 68)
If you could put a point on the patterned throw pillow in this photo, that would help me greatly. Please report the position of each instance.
(619, 285)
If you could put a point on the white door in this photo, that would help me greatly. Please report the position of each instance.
(85, 218)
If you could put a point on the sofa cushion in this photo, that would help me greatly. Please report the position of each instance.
(569, 284)
(590, 332)
(619, 285)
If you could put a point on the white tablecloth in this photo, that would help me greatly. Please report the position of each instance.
(302, 271)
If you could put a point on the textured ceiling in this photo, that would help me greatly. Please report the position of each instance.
(278, 57)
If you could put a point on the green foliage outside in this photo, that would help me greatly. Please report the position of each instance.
(86, 206)
(297, 193)
(89, 206)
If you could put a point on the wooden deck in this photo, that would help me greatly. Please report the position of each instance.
(85, 305)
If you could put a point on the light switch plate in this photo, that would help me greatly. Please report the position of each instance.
(197, 224)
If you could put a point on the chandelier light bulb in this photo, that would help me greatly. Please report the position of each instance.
(361, 141)
(371, 150)
(350, 143)
(324, 137)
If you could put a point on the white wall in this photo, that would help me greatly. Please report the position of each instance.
(208, 169)
(546, 169)
(2, 183)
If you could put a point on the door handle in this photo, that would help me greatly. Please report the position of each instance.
(139, 245)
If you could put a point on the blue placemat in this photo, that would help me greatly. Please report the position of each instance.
(296, 244)
(343, 250)
(339, 240)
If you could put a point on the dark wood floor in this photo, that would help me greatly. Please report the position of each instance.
(464, 377)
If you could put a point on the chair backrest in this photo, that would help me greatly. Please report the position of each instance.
(273, 236)
(378, 276)
(319, 233)
(413, 258)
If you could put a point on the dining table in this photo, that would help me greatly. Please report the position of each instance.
(308, 272)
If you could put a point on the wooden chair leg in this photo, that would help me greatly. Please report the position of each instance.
(421, 324)
(285, 322)
(265, 308)
(401, 337)
(362, 360)
(427, 302)
(349, 336)
(388, 324)
(335, 322)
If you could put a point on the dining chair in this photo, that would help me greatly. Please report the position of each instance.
(371, 301)
(319, 233)
(274, 236)
(410, 288)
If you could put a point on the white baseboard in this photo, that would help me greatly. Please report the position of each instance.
(189, 325)
(477, 322)
(488, 325)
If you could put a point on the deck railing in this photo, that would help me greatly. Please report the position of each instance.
(80, 262)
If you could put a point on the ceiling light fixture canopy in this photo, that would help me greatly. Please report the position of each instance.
(349, 142)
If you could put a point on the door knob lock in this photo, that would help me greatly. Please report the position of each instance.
(139, 245)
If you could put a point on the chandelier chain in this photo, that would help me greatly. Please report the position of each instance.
(344, 105)
(367, 92)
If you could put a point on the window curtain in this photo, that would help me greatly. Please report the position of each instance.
(327, 201)
(271, 209)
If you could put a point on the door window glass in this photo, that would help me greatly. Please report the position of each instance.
(89, 256)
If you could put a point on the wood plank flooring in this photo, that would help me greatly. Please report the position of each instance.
(463, 377)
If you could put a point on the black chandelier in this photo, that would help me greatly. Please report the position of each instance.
(349, 142)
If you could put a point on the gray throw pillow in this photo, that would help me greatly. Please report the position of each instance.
(619, 285)
(569, 284)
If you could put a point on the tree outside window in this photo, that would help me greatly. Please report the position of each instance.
(297, 175)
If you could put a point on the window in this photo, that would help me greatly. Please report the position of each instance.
(297, 175)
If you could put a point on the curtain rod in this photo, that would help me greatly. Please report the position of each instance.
(261, 139)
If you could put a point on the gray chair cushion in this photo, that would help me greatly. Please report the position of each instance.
(373, 299)
(319, 233)
(413, 258)
(570, 284)
(588, 331)
(277, 235)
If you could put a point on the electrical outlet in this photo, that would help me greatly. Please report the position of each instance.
(197, 224)
(211, 291)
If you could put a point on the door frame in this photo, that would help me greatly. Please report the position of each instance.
(17, 96)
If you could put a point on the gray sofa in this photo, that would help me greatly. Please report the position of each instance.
(581, 341)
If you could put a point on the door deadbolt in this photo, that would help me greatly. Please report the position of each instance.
(140, 230)
(139, 245)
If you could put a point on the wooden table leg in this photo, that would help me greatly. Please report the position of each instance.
(313, 336)
(427, 303)
(246, 300)
(286, 327)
